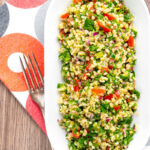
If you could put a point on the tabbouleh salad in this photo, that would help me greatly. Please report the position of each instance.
(98, 96)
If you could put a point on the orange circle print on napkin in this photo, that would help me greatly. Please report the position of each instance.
(18, 43)
(26, 3)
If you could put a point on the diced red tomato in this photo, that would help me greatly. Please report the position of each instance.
(104, 28)
(76, 87)
(77, 1)
(131, 68)
(127, 100)
(109, 97)
(61, 41)
(107, 120)
(84, 76)
(110, 66)
(104, 69)
(98, 91)
(107, 29)
(110, 17)
(95, 1)
(76, 135)
(107, 148)
(69, 21)
(87, 130)
(116, 108)
(111, 61)
(88, 66)
(62, 32)
(100, 24)
(89, 54)
(131, 41)
(117, 93)
(92, 7)
(64, 16)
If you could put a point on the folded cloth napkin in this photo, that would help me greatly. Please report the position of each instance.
(22, 31)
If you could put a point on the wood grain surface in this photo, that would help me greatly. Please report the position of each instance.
(17, 129)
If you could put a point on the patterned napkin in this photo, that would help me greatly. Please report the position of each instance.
(22, 31)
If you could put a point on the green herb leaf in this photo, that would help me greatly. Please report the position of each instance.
(61, 87)
(113, 56)
(89, 25)
(127, 17)
(110, 4)
(134, 32)
(104, 107)
(93, 47)
(100, 16)
(125, 121)
(65, 56)
(137, 93)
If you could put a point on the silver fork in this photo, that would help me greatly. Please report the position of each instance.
(37, 93)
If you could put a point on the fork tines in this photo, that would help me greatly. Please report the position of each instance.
(33, 88)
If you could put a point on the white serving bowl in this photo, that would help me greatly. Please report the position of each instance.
(53, 75)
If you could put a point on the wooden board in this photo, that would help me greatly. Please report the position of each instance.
(17, 129)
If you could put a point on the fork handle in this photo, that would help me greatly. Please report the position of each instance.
(42, 105)
(40, 101)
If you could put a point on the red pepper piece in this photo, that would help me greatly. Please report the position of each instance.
(76, 135)
(110, 17)
(116, 108)
(64, 16)
(131, 41)
(103, 27)
(117, 94)
(110, 96)
(76, 87)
